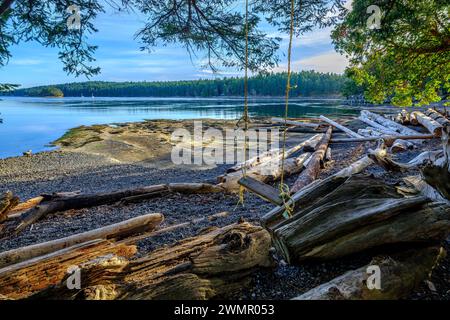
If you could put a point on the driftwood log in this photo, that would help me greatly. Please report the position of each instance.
(313, 167)
(212, 264)
(349, 132)
(436, 116)
(270, 170)
(266, 172)
(295, 123)
(434, 127)
(139, 224)
(319, 188)
(21, 280)
(274, 154)
(62, 202)
(399, 274)
(361, 213)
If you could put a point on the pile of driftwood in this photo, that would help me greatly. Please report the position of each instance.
(346, 213)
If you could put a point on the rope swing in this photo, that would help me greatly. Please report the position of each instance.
(283, 188)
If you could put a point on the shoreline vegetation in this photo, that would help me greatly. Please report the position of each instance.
(305, 84)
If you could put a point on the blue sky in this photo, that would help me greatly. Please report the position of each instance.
(120, 59)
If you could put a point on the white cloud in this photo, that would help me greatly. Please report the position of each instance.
(326, 62)
(26, 62)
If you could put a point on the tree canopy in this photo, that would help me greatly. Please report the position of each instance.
(406, 60)
(212, 28)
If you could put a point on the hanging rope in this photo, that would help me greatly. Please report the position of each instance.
(284, 188)
(245, 116)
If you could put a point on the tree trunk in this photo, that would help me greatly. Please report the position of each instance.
(436, 116)
(432, 125)
(211, 265)
(296, 123)
(273, 154)
(360, 214)
(63, 202)
(21, 280)
(399, 275)
(349, 132)
(313, 168)
(318, 189)
(132, 226)
(266, 172)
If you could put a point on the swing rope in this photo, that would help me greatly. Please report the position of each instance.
(283, 188)
(245, 116)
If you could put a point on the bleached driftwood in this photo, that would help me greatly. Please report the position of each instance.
(349, 132)
(318, 188)
(125, 228)
(434, 127)
(313, 167)
(295, 123)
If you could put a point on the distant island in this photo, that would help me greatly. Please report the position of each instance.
(305, 84)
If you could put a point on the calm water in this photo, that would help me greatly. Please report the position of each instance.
(32, 123)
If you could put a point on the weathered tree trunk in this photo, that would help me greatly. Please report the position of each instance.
(399, 275)
(266, 172)
(398, 145)
(318, 189)
(432, 125)
(22, 207)
(62, 202)
(313, 168)
(296, 123)
(213, 264)
(385, 125)
(360, 214)
(21, 280)
(349, 132)
(125, 228)
(443, 121)
(273, 155)
(7, 202)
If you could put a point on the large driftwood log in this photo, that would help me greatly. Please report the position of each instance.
(399, 275)
(213, 264)
(398, 145)
(21, 280)
(391, 125)
(313, 168)
(388, 127)
(125, 228)
(266, 172)
(434, 127)
(318, 189)
(360, 214)
(443, 121)
(62, 202)
(273, 155)
(349, 132)
(295, 123)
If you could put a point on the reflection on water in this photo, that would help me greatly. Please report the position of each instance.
(31, 123)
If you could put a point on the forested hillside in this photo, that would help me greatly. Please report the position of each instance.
(307, 83)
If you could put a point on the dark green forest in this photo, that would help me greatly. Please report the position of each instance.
(306, 84)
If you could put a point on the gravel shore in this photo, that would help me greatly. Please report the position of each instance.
(59, 171)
